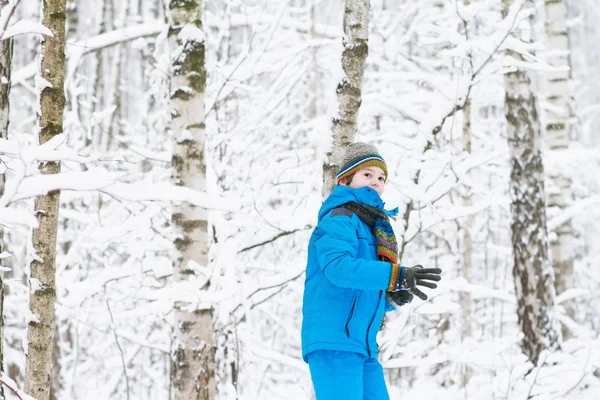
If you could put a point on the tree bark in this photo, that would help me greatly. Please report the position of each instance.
(532, 270)
(193, 373)
(349, 89)
(557, 118)
(5, 66)
(40, 330)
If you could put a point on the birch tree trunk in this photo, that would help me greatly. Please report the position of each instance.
(5, 65)
(349, 89)
(193, 374)
(532, 270)
(557, 117)
(40, 331)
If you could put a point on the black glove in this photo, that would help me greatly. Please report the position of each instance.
(399, 298)
(417, 276)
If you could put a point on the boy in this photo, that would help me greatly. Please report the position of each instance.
(352, 269)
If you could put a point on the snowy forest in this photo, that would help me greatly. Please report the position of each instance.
(162, 163)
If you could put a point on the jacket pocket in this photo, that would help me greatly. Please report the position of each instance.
(349, 317)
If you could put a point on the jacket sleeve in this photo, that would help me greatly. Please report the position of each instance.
(337, 250)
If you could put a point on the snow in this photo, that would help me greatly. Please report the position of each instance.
(31, 317)
(5, 380)
(22, 27)
(77, 49)
(5, 254)
(191, 33)
(272, 72)
(35, 284)
(10, 216)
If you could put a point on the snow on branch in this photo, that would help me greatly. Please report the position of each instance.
(49, 151)
(572, 211)
(77, 49)
(499, 41)
(23, 27)
(111, 184)
(101, 181)
(24, 181)
(9, 383)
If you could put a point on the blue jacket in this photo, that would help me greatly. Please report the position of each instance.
(344, 293)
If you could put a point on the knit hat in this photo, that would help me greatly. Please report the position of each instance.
(360, 155)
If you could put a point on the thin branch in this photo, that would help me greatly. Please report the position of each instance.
(16, 391)
(281, 285)
(269, 297)
(278, 236)
(233, 71)
(587, 362)
(537, 373)
(293, 278)
(459, 107)
(9, 15)
(112, 320)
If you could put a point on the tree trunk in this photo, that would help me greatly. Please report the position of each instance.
(5, 65)
(465, 297)
(40, 330)
(557, 118)
(193, 374)
(354, 59)
(56, 385)
(532, 270)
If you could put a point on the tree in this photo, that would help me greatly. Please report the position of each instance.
(465, 298)
(532, 270)
(194, 347)
(5, 65)
(354, 59)
(40, 330)
(557, 116)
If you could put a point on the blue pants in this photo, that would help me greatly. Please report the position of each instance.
(346, 375)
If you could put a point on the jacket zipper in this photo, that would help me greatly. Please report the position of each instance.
(371, 323)
(350, 315)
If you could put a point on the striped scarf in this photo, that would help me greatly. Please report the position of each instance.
(378, 220)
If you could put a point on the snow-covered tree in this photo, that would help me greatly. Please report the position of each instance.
(557, 121)
(349, 87)
(5, 82)
(41, 327)
(193, 374)
(532, 270)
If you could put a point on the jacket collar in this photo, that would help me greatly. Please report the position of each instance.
(344, 194)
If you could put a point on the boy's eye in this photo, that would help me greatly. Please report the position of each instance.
(381, 178)
(367, 174)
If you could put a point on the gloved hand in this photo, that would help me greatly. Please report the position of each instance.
(399, 298)
(411, 277)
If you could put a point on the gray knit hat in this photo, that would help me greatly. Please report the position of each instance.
(360, 155)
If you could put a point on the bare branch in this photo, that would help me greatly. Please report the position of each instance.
(9, 383)
(112, 320)
(8, 13)
(278, 236)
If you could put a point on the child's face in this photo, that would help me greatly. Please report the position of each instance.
(370, 176)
